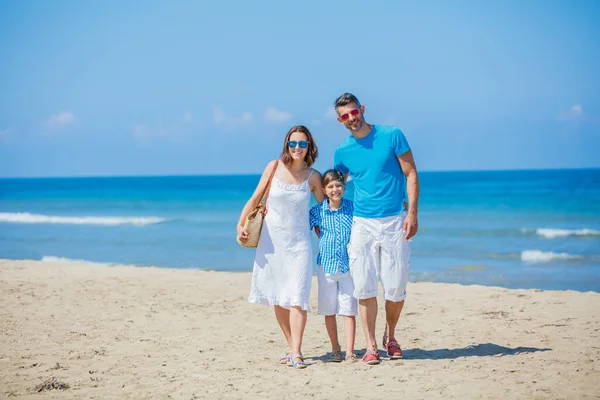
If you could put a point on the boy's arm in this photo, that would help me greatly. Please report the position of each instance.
(315, 220)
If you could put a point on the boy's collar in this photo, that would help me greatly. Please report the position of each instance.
(328, 207)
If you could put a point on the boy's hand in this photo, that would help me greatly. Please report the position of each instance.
(318, 231)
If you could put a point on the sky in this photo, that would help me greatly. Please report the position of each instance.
(112, 88)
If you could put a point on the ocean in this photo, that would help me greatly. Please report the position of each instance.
(515, 229)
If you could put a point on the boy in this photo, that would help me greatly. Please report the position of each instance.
(332, 221)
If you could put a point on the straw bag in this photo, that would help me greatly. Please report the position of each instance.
(254, 220)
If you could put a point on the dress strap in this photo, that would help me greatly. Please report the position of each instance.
(311, 172)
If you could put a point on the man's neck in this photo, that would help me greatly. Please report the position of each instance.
(363, 131)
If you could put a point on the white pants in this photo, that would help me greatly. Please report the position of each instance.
(379, 252)
(336, 294)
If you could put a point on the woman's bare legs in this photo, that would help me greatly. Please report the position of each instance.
(283, 318)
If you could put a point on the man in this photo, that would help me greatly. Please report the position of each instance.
(378, 158)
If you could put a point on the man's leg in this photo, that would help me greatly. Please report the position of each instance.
(365, 260)
(395, 262)
(368, 316)
(392, 315)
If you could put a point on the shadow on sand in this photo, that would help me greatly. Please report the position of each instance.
(479, 350)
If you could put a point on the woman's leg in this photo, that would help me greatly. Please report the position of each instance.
(283, 318)
(297, 323)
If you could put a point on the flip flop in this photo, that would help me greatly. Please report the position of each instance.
(285, 359)
(298, 364)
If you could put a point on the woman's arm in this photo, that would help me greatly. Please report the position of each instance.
(253, 202)
(316, 187)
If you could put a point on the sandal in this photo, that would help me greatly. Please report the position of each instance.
(351, 358)
(285, 359)
(298, 364)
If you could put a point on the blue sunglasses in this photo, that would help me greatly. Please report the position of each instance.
(293, 143)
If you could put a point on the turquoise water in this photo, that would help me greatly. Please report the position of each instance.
(525, 229)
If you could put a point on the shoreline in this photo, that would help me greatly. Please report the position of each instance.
(153, 332)
(412, 278)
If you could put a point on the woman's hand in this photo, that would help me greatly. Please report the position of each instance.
(242, 234)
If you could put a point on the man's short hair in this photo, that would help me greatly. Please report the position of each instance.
(346, 99)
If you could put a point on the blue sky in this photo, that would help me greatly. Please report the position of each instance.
(189, 87)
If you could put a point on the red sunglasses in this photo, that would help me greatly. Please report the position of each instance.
(355, 112)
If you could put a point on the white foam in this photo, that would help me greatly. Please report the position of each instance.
(554, 233)
(71, 261)
(27, 218)
(535, 256)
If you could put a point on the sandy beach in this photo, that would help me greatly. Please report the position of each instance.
(127, 332)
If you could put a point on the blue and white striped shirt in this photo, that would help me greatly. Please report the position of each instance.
(335, 235)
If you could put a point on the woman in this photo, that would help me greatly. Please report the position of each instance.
(284, 259)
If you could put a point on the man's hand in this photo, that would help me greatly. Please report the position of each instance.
(411, 225)
(242, 234)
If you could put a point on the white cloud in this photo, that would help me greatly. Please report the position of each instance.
(277, 116)
(141, 131)
(221, 118)
(188, 117)
(575, 113)
(218, 115)
(330, 113)
(246, 118)
(61, 119)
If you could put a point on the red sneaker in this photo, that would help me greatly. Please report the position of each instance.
(371, 357)
(393, 349)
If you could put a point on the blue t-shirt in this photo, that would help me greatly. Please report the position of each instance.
(373, 165)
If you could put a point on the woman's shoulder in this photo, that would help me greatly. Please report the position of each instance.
(270, 165)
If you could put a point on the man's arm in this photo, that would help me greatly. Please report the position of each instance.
(407, 163)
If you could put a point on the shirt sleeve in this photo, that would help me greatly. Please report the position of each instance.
(314, 217)
(399, 142)
(338, 164)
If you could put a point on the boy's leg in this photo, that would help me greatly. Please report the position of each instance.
(348, 307)
(331, 325)
(328, 305)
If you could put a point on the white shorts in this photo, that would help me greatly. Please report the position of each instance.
(379, 252)
(336, 294)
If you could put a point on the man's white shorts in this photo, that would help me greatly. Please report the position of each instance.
(379, 252)
(336, 294)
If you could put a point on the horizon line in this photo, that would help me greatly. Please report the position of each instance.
(255, 174)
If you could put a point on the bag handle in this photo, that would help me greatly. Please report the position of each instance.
(265, 195)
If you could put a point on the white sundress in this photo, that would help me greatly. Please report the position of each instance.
(283, 265)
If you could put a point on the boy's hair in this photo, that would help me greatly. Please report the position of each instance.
(333, 175)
